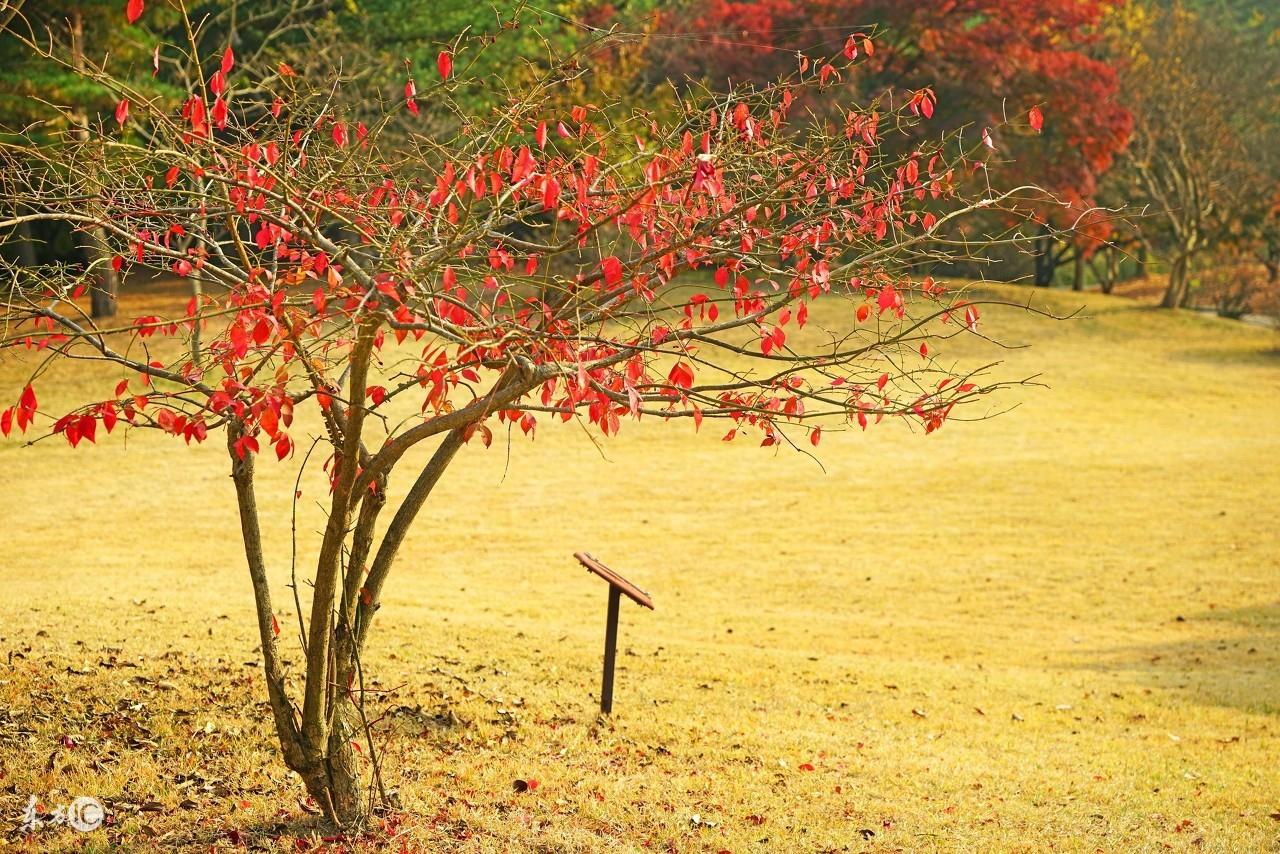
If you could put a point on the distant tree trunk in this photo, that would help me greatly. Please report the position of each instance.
(1046, 260)
(1112, 269)
(103, 289)
(92, 241)
(1103, 265)
(1176, 293)
(24, 244)
(1140, 270)
(1077, 274)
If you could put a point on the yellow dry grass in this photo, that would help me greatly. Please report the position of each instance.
(1055, 630)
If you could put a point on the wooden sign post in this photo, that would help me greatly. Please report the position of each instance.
(617, 586)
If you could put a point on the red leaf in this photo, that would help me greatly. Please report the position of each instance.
(219, 113)
(816, 436)
(612, 268)
(27, 401)
(1036, 118)
(133, 10)
(888, 298)
(246, 444)
(681, 375)
(971, 317)
(550, 193)
(806, 766)
(228, 60)
(880, 383)
(339, 134)
(88, 427)
(122, 111)
(411, 92)
(6, 421)
(275, 624)
(485, 434)
(283, 446)
(444, 62)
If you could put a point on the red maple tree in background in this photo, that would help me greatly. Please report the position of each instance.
(983, 62)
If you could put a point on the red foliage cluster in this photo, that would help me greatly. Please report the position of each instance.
(771, 219)
(984, 59)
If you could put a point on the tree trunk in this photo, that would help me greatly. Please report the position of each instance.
(1176, 293)
(330, 771)
(24, 244)
(1077, 275)
(335, 784)
(1113, 270)
(1045, 259)
(102, 296)
(93, 240)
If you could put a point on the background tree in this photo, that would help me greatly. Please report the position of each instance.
(55, 101)
(376, 294)
(1204, 100)
(978, 59)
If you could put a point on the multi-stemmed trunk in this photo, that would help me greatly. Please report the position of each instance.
(319, 741)
(334, 780)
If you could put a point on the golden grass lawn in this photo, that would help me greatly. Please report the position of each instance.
(1054, 630)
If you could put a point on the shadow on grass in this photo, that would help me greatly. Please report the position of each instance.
(1262, 356)
(1237, 669)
